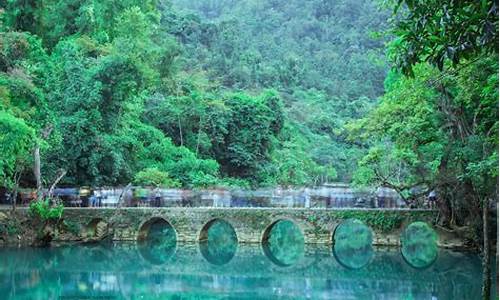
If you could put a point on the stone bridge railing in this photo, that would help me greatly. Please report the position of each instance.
(250, 224)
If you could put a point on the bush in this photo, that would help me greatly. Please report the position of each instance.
(43, 210)
(155, 177)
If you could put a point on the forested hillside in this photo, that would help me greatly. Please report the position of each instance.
(325, 58)
(197, 93)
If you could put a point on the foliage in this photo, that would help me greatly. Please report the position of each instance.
(385, 221)
(441, 31)
(327, 68)
(436, 136)
(16, 139)
(399, 158)
(10, 226)
(42, 209)
(72, 227)
(155, 177)
(107, 83)
(254, 93)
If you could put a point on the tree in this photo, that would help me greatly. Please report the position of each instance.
(406, 134)
(156, 178)
(438, 131)
(16, 143)
(437, 31)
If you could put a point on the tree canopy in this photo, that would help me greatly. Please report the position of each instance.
(253, 93)
(245, 93)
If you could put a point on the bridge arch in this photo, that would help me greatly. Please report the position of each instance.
(157, 240)
(203, 233)
(267, 230)
(218, 241)
(419, 245)
(96, 228)
(250, 224)
(146, 226)
(352, 244)
(287, 247)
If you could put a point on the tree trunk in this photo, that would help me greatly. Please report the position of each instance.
(17, 177)
(56, 181)
(198, 137)
(180, 129)
(496, 266)
(123, 193)
(36, 170)
(486, 253)
(37, 165)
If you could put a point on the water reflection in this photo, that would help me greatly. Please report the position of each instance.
(283, 243)
(353, 244)
(159, 242)
(72, 273)
(218, 242)
(419, 245)
(97, 253)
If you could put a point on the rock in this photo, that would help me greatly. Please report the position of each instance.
(3, 217)
(101, 230)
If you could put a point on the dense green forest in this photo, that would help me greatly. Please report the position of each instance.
(323, 57)
(197, 93)
(252, 93)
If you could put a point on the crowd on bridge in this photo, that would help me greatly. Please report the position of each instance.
(336, 196)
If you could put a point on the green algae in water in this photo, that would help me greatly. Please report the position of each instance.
(353, 244)
(160, 243)
(283, 243)
(218, 242)
(419, 245)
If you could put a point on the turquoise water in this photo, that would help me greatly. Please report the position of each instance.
(184, 271)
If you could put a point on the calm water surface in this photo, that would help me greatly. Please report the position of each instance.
(156, 270)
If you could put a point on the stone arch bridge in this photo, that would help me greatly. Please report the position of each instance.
(250, 224)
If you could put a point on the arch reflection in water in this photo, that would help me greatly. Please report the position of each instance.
(419, 245)
(283, 243)
(352, 244)
(157, 241)
(218, 242)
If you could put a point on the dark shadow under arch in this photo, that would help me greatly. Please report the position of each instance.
(153, 223)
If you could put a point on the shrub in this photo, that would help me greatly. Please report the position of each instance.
(155, 177)
(42, 209)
